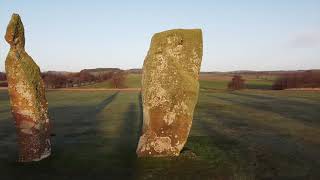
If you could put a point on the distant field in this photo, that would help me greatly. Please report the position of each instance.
(132, 81)
(250, 134)
(221, 81)
(206, 82)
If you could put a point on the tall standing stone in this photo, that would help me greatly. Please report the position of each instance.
(27, 97)
(169, 91)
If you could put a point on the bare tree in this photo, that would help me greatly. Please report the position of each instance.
(86, 77)
(236, 83)
(54, 80)
(107, 76)
(118, 79)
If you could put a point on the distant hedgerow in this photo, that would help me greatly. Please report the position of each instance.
(306, 79)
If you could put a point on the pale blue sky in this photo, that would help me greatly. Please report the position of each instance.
(238, 35)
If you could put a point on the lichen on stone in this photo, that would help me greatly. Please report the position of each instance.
(170, 89)
(27, 96)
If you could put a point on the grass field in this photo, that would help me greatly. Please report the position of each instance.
(206, 82)
(250, 134)
(132, 81)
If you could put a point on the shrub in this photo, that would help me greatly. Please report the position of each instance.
(3, 76)
(236, 83)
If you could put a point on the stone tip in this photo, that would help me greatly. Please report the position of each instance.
(181, 30)
(15, 32)
(195, 34)
(15, 15)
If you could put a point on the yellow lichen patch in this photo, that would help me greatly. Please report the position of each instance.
(28, 113)
(26, 125)
(169, 118)
(162, 144)
(22, 89)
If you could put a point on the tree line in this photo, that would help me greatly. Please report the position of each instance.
(54, 80)
(306, 79)
(82, 78)
(3, 79)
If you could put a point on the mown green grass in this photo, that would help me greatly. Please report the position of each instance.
(213, 84)
(259, 84)
(134, 81)
(105, 84)
(250, 134)
(216, 84)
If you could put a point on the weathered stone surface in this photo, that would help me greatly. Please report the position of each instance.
(27, 97)
(169, 91)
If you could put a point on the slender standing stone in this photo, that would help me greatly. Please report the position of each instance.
(169, 91)
(27, 97)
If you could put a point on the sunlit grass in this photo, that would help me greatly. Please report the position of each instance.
(206, 82)
(248, 134)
